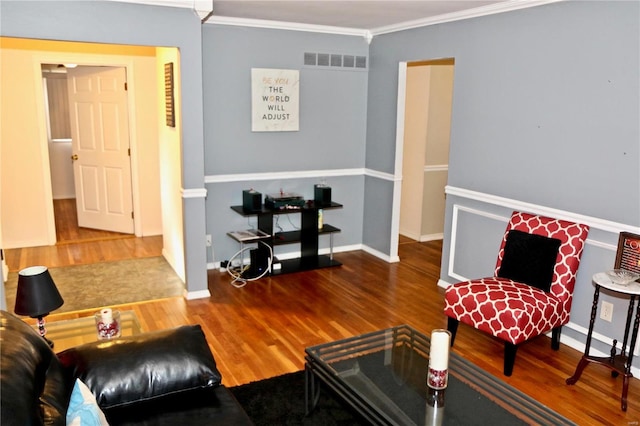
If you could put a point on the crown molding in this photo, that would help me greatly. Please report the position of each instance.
(202, 8)
(291, 26)
(492, 9)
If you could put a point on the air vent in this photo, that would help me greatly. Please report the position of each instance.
(335, 60)
(348, 61)
(310, 58)
(323, 59)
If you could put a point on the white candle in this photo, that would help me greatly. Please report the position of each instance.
(439, 351)
(106, 315)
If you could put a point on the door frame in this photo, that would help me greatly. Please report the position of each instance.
(85, 59)
(399, 148)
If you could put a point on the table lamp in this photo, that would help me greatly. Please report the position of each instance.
(37, 295)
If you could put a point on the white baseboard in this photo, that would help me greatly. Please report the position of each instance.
(431, 237)
(380, 255)
(201, 294)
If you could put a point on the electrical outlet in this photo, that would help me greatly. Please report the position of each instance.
(209, 240)
(606, 312)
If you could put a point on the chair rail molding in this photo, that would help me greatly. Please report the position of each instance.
(240, 177)
(593, 222)
(194, 193)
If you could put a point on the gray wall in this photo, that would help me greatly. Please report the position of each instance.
(545, 118)
(124, 23)
(331, 136)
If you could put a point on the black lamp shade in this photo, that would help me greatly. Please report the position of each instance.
(37, 294)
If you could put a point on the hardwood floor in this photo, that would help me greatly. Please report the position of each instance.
(68, 231)
(261, 330)
(81, 246)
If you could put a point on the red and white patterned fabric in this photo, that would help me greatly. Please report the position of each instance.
(513, 311)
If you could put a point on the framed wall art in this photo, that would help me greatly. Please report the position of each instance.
(170, 115)
(275, 100)
(628, 253)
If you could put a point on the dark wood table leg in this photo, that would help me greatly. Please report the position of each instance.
(629, 360)
(585, 358)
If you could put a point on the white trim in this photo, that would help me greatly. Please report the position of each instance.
(492, 9)
(88, 59)
(437, 168)
(282, 175)
(400, 117)
(290, 26)
(431, 237)
(201, 7)
(201, 294)
(593, 222)
(136, 205)
(41, 112)
(5, 271)
(194, 193)
(240, 177)
(380, 255)
(382, 175)
(204, 7)
(396, 202)
(454, 235)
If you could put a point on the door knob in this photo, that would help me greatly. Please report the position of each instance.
(74, 157)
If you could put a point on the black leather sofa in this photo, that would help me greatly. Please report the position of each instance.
(161, 378)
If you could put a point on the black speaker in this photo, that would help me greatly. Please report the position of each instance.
(251, 200)
(259, 263)
(322, 195)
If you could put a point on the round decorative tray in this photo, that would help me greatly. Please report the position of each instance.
(622, 276)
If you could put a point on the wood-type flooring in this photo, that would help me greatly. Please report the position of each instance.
(261, 330)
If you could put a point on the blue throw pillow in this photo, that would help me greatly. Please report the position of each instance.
(530, 259)
(83, 409)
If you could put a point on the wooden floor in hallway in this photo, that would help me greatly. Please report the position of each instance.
(81, 246)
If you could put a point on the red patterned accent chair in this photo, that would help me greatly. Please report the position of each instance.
(532, 287)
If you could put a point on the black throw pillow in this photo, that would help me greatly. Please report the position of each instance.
(143, 367)
(529, 258)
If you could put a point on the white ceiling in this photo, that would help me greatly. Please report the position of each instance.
(366, 17)
(355, 14)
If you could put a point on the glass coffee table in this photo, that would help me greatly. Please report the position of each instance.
(66, 334)
(382, 375)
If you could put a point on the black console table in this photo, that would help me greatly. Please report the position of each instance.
(307, 236)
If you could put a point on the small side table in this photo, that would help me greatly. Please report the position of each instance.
(66, 334)
(619, 363)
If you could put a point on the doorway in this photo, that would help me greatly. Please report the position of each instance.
(425, 94)
(155, 148)
(97, 95)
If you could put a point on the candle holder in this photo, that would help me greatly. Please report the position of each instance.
(438, 370)
(434, 413)
(438, 379)
(108, 324)
(435, 398)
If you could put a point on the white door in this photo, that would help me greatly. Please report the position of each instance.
(100, 144)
